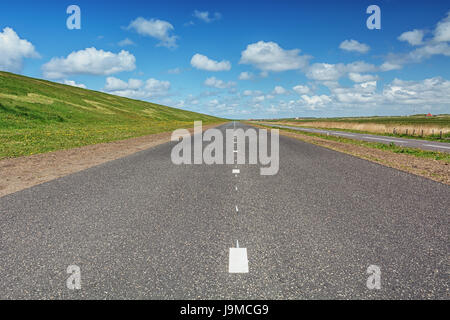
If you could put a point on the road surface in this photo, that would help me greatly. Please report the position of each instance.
(143, 228)
(411, 143)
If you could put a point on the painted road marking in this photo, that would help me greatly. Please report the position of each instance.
(238, 262)
(399, 141)
(237, 210)
(346, 134)
(236, 171)
(435, 146)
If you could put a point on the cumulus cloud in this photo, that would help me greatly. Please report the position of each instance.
(252, 92)
(426, 48)
(442, 31)
(13, 50)
(74, 84)
(333, 72)
(245, 76)
(89, 61)
(202, 62)
(219, 84)
(300, 89)
(155, 28)
(279, 90)
(137, 89)
(353, 45)
(357, 77)
(325, 71)
(316, 101)
(433, 91)
(269, 56)
(414, 37)
(206, 17)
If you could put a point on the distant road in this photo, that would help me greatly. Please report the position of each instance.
(141, 227)
(412, 143)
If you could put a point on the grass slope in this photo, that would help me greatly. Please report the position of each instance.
(39, 116)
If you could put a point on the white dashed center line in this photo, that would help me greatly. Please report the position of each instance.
(236, 171)
(238, 260)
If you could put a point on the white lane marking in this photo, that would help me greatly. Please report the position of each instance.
(236, 171)
(432, 145)
(236, 188)
(399, 141)
(237, 210)
(238, 262)
(346, 134)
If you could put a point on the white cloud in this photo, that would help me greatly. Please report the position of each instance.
(442, 31)
(13, 50)
(89, 61)
(438, 45)
(316, 101)
(333, 72)
(353, 45)
(74, 84)
(137, 89)
(158, 29)
(434, 91)
(325, 71)
(205, 17)
(252, 93)
(202, 62)
(302, 89)
(125, 42)
(279, 90)
(360, 66)
(414, 37)
(269, 56)
(245, 76)
(388, 66)
(357, 77)
(217, 83)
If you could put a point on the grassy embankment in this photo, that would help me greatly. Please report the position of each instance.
(417, 126)
(39, 116)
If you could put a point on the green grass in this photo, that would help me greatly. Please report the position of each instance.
(388, 147)
(39, 116)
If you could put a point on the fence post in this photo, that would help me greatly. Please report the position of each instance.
(406, 131)
(440, 135)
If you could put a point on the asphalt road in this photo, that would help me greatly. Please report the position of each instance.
(411, 143)
(142, 227)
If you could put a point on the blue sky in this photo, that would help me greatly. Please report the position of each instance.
(241, 59)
